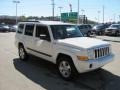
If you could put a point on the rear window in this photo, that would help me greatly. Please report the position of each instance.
(20, 28)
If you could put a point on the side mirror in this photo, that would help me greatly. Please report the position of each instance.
(44, 37)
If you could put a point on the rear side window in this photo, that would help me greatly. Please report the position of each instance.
(85, 27)
(29, 29)
(81, 27)
(89, 26)
(20, 28)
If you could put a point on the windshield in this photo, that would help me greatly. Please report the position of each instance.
(97, 26)
(115, 26)
(65, 31)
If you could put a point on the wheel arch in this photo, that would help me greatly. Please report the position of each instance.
(20, 43)
(63, 55)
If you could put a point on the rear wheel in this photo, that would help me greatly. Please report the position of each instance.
(66, 68)
(22, 53)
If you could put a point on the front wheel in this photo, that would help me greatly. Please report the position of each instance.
(66, 68)
(117, 33)
(88, 34)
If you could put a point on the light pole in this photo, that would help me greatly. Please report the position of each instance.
(83, 15)
(53, 8)
(78, 21)
(60, 12)
(114, 16)
(98, 16)
(119, 17)
(83, 12)
(103, 13)
(16, 2)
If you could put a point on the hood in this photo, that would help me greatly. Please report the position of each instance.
(82, 42)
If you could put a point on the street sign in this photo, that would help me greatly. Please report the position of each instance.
(64, 16)
(72, 16)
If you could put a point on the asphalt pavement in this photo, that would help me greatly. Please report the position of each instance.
(109, 38)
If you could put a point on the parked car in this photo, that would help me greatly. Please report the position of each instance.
(99, 29)
(62, 44)
(114, 29)
(85, 29)
(4, 28)
(13, 28)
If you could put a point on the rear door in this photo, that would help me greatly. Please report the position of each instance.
(28, 37)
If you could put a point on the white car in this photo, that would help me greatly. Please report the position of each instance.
(62, 44)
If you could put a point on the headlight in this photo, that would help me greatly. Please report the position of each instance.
(113, 31)
(82, 58)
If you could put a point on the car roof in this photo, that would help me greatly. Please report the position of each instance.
(46, 22)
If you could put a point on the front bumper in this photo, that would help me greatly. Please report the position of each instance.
(110, 32)
(90, 65)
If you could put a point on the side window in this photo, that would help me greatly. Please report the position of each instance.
(85, 27)
(42, 30)
(81, 27)
(20, 28)
(29, 29)
(89, 26)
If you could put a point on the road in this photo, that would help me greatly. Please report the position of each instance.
(37, 74)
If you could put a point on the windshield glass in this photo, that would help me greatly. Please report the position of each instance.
(65, 31)
(115, 26)
(97, 27)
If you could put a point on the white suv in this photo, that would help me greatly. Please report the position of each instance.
(62, 44)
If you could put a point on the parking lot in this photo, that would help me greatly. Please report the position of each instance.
(37, 74)
(109, 38)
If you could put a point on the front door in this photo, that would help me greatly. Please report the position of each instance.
(42, 42)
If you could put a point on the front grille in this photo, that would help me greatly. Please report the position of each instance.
(110, 30)
(101, 52)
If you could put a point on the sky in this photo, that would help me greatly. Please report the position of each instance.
(44, 8)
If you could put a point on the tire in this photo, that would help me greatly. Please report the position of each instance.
(88, 34)
(100, 33)
(66, 68)
(117, 33)
(22, 53)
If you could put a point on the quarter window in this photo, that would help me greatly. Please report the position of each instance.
(29, 30)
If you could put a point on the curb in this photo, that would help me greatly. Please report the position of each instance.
(108, 40)
(111, 40)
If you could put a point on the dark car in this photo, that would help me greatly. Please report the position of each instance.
(4, 28)
(99, 29)
(85, 29)
(114, 29)
(13, 28)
